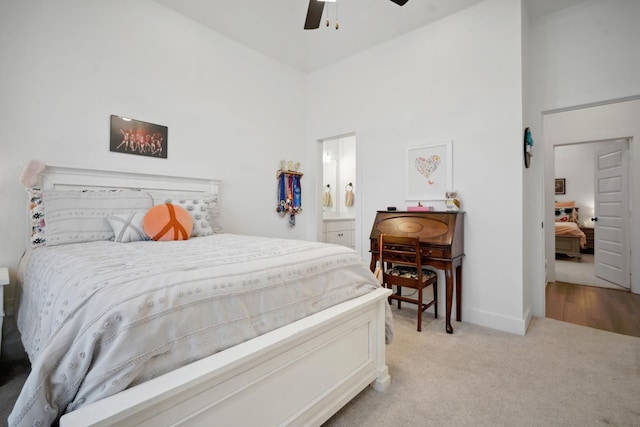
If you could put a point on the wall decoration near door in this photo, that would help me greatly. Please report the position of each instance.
(528, 147)
(289, 191)
(137, 137)
(560, 186)
(429, 171)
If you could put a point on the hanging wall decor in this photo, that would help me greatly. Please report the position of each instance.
(428, 171)
(528, 147)
(289, 191)
(136, 137)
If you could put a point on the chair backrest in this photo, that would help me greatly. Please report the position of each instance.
(400, 250)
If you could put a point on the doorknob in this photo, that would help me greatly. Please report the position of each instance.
(594, 219)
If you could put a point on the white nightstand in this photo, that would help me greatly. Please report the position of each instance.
(4, 280)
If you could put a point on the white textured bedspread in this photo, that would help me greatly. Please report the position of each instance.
(99, 317)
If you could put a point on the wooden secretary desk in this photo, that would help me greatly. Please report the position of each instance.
(441, 236)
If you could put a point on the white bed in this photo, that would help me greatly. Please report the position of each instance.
(300, 373)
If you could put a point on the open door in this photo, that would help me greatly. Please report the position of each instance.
(611, 217)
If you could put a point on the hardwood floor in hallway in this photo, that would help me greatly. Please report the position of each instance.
(607, 309)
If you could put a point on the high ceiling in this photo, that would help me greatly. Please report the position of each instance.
(275, 27)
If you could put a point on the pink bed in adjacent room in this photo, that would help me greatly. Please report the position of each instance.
(569, 238)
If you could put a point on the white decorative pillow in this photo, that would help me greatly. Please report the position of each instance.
(565, 215)
(184, 200)
(36, 216)
(81, 216)
(199, 211)
(127, 227)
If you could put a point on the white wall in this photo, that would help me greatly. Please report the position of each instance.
(66, 66)
(459, 79)
(581, 55)
(232, 114)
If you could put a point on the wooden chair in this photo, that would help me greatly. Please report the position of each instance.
(402, 266)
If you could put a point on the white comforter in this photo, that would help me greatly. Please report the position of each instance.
(99, 317)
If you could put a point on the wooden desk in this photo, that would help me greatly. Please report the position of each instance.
(441, 237)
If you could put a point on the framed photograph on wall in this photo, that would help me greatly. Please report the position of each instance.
(429, 171)
(136, 137)
(560, 189)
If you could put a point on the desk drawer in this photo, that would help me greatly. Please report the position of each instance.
(435, 252)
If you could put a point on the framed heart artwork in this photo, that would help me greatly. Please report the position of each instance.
(429, 171)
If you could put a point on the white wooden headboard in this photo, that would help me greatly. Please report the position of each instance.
(70, 178)
(65, 178)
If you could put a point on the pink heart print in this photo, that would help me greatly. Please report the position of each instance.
(428, 166)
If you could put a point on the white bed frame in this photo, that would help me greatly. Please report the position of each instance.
(569, 245)
(300, 374)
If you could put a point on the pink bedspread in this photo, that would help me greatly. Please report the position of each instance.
(571, 229)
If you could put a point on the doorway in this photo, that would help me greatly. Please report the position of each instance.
(579, 167)
(606, 121)
(339, 193)
(609, 121)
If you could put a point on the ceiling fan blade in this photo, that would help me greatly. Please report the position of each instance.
(314, 15)
(400, 2)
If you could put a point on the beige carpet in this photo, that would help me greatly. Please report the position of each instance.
(559, 374)
(581, 272)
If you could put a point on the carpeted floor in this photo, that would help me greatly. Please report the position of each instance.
(558, 374)
(12, 376)
(580, 271)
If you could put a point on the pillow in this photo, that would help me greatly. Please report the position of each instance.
(565, 215)
(127, 227)
(36, 217)
(160, 197)
(168, 222)
(199, 211)
(81, 216)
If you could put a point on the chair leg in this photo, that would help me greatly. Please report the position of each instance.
(435, 298)
(399, 292)
(419, 309)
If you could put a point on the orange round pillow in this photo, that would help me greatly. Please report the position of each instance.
(167, 222)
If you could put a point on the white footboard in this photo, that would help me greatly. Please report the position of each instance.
(569, 245)
(300, 374)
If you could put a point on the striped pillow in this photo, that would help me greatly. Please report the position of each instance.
(81, 216)
(127, 227)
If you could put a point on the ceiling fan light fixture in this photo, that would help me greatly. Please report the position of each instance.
(316, 7)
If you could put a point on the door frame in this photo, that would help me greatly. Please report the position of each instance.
(358, 181)
(607, 120)
(593, 165)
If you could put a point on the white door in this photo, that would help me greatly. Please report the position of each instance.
(611, 234)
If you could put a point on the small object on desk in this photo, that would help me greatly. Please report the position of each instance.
(419, 208)
(392, 208)
(452, 203)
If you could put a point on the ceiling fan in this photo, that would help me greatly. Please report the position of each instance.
(314, 13)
